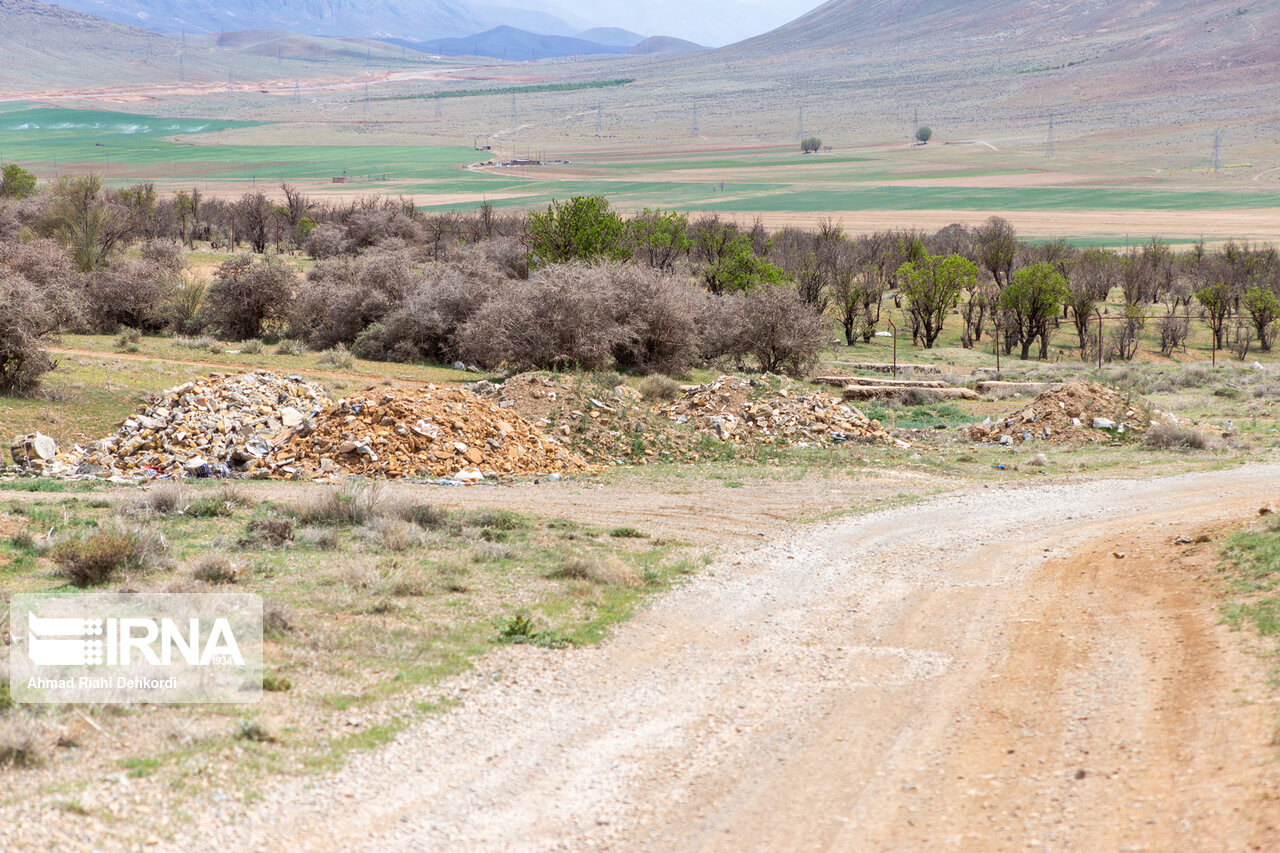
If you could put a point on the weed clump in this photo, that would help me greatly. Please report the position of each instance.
(97, 558)
(1171, 436)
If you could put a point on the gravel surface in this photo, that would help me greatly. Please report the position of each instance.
(796, 695)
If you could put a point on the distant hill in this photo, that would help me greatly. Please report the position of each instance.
(404, 19)
(610, 35)
(47, 46)
(278, 43)
(663, 44)
(516, 45)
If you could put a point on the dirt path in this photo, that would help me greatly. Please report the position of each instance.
(978, 672)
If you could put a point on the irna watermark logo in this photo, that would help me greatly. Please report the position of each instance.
(130, 647)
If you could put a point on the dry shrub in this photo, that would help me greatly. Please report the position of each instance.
(606, 571)
(657, 316)
(247, 294)
(658, 388)
(342, 296)
(562, 317)
(392, 533)
(320, 538)
(1170, 436)
(133, 294)
(277, 617)
(161, 499)
(164, 254)
(782, 331)
(216, 569)
(425, 326)
(274, 532)
(353, 504)
(24, 742)
(26, 324)
(324, 241)
(98, 557)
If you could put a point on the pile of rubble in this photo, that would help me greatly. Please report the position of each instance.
(1070, 413)
(754, 411)
(607, 424)
(210, 427)
(428, 432)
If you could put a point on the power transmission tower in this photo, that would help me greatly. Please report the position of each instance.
(1050, 149)
(1217, 150)
(297, 93)
(437, 108)
(915, 124)
(599, 124)
(800, 124)
(695, 119)
(514, 116)
(366, 97)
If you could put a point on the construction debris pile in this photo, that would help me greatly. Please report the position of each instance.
(1070, 413)
(754, 411)
(205, 428)
(608, 424)
(427, 432)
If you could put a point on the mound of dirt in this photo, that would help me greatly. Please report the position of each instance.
(607, 424)
(213, 426)
(761, 411)
(1070, 413)
(427, 432)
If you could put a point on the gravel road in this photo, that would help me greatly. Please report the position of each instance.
(980, 671)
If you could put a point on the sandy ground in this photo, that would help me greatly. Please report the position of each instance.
(977, 672)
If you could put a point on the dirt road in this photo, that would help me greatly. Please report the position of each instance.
(978, 672)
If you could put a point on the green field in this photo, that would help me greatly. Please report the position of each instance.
(231, 156)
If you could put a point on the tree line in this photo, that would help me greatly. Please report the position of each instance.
(580, 284)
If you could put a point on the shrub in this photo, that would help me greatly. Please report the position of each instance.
(26, 323)
(781, 330)
(128, 293)
(353, 504)
(247, 294)
(216, 569)
(23, 743)
(596, 569)
(164, 254)
(290, 347)
(561, 318)
(253, 346)
(425, 327)
(580, 229)
(272, 531)
(1170, 436)
(160, 499)
(343, 296)
(97, 558)
(277, 618)
(324, 241)
(339, 358)
(656, 388)
(657, 318)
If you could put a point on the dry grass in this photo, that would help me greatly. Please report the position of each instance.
(100, 556)
(23, 742)
(606, 571)
(216, 568)
(658, 388)
(1170, 436)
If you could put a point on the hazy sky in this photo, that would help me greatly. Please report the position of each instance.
(711, 22)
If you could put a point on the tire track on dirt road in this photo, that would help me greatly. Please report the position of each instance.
(978, 672)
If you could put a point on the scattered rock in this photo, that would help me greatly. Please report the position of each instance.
(33, 451)
(1070, 413)
(1266, 510)
(1039, 460)
(1184, 539)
